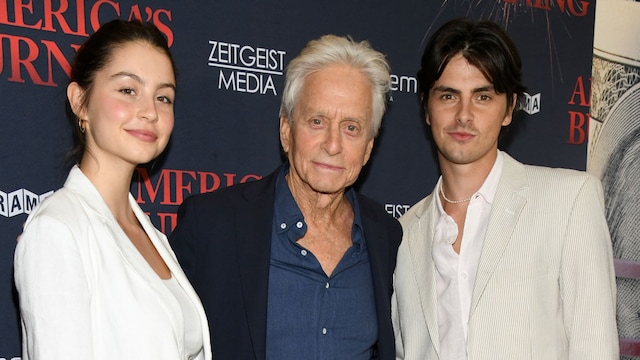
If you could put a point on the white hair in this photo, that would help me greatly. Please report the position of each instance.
(331, 50)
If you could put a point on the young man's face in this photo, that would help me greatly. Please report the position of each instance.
(466, 114)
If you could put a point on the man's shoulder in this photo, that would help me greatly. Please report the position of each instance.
(233, 193)
(373, 208)
(380, 220)
(544, 175)
(415, 212)
(376, 212)
(556, 185)
(367, 202)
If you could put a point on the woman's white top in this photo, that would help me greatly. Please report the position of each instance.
(192, 329)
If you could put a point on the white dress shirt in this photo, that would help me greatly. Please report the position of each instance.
(456, 273)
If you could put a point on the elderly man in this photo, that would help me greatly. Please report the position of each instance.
(297, 265)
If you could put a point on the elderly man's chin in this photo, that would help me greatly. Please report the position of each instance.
(329, 186)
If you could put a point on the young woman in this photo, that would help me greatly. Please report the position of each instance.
(96, 280)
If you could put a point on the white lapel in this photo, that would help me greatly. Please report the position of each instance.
(160, 242)
(93, 201)
(420, 243)
(510, 198)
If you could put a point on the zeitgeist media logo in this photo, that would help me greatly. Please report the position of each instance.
(246, 68)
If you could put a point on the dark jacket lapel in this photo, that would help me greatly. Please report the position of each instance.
(254, 219)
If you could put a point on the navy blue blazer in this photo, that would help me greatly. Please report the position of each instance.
(223, 242)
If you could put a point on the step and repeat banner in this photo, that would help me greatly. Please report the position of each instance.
(231, 58)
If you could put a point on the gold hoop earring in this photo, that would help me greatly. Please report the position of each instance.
(82, 128)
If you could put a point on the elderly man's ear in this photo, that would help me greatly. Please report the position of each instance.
(285, 134)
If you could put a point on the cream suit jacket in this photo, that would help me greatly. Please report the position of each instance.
(87, 293)
(545, 286)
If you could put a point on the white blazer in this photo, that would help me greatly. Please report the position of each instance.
(87, 293)
(545, 286)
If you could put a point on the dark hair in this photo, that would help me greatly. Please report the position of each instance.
(485, 45)
(93, 56)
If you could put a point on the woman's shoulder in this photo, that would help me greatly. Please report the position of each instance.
(60, 204)
(62, 209)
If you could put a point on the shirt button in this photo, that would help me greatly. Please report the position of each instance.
(463, 276)
(324, 331)
(326, 286)
(303, 252)
(283, 226)
(299, 224)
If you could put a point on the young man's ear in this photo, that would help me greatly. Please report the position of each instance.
(424, 108)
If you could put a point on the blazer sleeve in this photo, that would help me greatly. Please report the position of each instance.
(55, 295)
(587, 280)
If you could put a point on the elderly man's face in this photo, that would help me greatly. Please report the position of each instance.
(329, 139)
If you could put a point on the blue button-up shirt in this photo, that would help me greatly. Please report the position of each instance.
(311, 315)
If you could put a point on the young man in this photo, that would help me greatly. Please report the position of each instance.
(502, 260)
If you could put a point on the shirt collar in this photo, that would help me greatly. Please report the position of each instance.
(488, 189)
(287, 214)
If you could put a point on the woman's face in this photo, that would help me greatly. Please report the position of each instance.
(129, 115)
